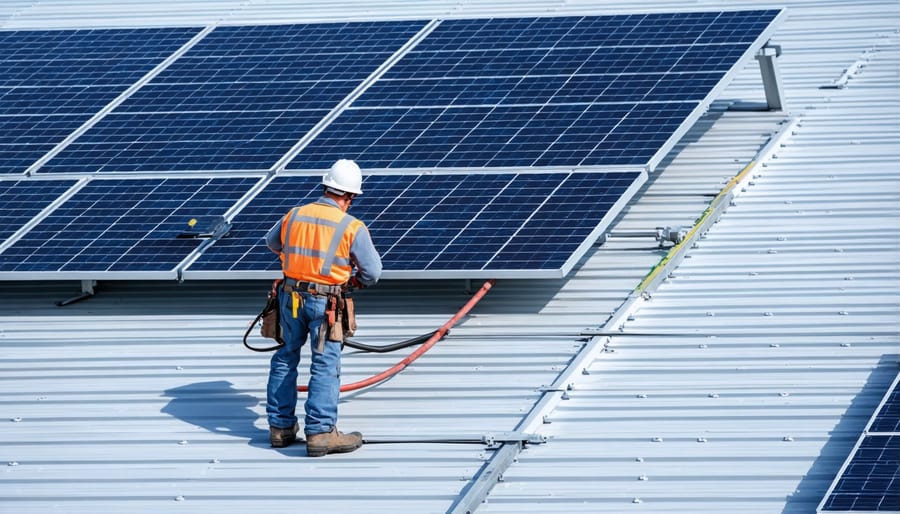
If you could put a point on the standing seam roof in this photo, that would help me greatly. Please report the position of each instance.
(762, 356)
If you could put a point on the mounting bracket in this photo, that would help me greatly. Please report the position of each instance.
(87, 291)
(771, 76)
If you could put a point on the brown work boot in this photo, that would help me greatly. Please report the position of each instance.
(318, 445)
(281, 437)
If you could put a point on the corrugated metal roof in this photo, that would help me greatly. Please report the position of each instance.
(763, 355)
(753, 369)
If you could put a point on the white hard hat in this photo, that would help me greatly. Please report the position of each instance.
(344, 175)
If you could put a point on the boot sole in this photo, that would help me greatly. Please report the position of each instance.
(282, 444)
(321, 451)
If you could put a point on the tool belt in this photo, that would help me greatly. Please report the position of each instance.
(291, 285)
(340, 314)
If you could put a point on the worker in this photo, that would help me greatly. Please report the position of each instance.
(319, 245)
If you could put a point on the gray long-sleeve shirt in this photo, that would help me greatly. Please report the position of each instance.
(362, 252)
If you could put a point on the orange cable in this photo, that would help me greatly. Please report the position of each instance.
(397, 368)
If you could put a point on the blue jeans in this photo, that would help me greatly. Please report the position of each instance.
(324, 369)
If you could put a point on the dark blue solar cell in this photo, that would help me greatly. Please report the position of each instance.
(448, 204)
(123, 225)
(513, 198)
(25, 139)
(97, 44)
(737, 26)
(685, 87)
(473, 63)
(344, 37)
(498, 33)
(184, 141)
(237, 96)
(887, 418)
(664, 29)
(85, 57)
(552, 135)
(22, 200)
(442, 222)
(244, 248)
(640, 134)
(632, 60)
(711, 58)
(433, 92)
(871, 481)
(379, 193)
(267, 67)
(239, 99)
(36, 101)
(51, 82)
(564, 219)
(544, 65)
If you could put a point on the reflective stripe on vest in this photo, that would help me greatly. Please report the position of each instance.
(316, 243)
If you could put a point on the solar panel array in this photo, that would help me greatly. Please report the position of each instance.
(498, 147)
(869, 481)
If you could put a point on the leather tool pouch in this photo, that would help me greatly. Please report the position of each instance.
(335, 318)
(349, 317)
(270, 322)
(340, 319)
(271, 319)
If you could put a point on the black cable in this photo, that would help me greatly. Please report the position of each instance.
(390, 347)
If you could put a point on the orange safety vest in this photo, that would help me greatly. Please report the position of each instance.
(316, 241)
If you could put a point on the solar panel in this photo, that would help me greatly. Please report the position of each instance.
(445, 225)
(22, 200)
(51, 82)
(887, 417)
(869, 481)
(238, 100)
(122, 225)
(545, 92)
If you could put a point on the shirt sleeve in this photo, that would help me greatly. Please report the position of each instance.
(273, 238)
(366, 258)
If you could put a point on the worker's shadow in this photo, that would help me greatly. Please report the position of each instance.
(217, 407)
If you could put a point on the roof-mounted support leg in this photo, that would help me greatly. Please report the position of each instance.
(771, 76)
(87, 291)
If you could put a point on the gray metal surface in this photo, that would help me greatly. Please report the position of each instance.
(751, 372)
(763, 355)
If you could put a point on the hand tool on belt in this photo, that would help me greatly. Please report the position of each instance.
(340, 315)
